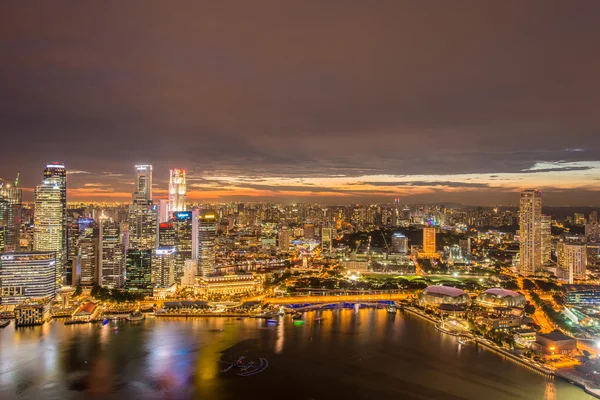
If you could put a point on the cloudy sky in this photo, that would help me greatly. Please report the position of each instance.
(332, 101)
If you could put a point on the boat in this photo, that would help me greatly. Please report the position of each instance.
(4, 323)
(392, 309)
(281, 311)
(299, 322)
(136, 316)
(105, 322)
(272, 321)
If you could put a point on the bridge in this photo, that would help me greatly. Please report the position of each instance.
(350, 298)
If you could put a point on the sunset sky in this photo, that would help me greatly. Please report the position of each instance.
(324, 101)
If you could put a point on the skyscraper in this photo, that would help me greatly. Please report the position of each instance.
(143, 184)
(163, 267)
(283, 239)
(111, 255)
(207, 234)
(10, 215)
(50, 208)
(429, 244)
(182, 225)
(327, 239)
(530, 213)
(177, 190)
(88, 261)
(138, 270)
(546, 226)
(399, 243)
(572, 261)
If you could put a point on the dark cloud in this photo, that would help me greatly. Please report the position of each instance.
(299, 89)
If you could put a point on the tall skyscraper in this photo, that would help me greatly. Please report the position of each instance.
(207, 234)
(88, 261)
(163, 267)
(327, 239)
(183, 227)
(11, 200)
(592, 228)
(429, 244)
(111, 255)
(177, 190)
(50, 215)
(166, 234)
(143, 184)
(546, 227)
(138, 270)
(27, 276)
(530, 214)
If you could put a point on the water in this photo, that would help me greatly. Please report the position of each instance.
(364, 355)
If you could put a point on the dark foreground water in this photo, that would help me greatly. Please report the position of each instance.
(348, 355)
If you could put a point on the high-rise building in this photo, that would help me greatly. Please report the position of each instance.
(88, 261)
(111, 255)
(572, 260)
(399, 243)
(546, 227)
(309, 231)
(190, 269)
(429, 244)
(207, 234)
(138, 270)
(579, 219)
(11, 200)
(283, 239)
(143, 226)
(166, 234)
(27, 276)
(465, 247)
(327, 239)
(530, 217)
(183, 227)
(163, 267)
(177, 190)
(143, 184)
(163, 211)
(592, 228)
(50, 215)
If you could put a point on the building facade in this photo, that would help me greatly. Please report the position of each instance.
(27, 277)
(177, 190)
(530, 231)
(207, 234)
(138, 270)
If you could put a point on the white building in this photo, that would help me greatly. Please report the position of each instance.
(177, 190)
(27, 276)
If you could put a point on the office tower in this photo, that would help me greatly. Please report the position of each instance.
(592, 228)
(189, 273)
(163, 267)
(50, 215)
(309, 231)
(429, 245)
(207, 234)
(88, 261)
(111, 255)
(27, 276)
(177, 190)
(143, 224)
(327, 239)
(593, 217)
(579, 219)
(546, 227)
(530, 219)
(163, 211)
(143, 184)
(572, 260)
(283, 239)
(138, 270)
(11, 200)
(399, 243)
(183, 227)
(166, 234)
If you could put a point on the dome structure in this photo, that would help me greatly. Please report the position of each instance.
(498, 297)
(436, 295)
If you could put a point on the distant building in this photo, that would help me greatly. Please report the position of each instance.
(230, 284)
(190, 270)
(163, 267)
(166, 234)
(546, 227)
(88, 261)
(309, 231)
(177, 190)
(585, 295)
(555, 342)
(207, 234)
(27, 277)
(143, 225)
(399, 243)
(429, 244)
(283, 241)
(579, 219)
(500, 298)
(437, 295)
(184, 234)
(572, 261)
(111, 256)
(32, 314)
(11, 199)
(143, 185)
(530, 232)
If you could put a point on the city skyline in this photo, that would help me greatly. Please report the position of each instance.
(334, 103)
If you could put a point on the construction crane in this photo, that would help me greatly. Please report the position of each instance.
(15, 183)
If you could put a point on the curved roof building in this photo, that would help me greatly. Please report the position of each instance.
(498, 297)
(435, 295)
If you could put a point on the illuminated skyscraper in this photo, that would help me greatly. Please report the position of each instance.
(163, 267)
(10, 215)
(327, 239)
(182, 225)
(177, 190)
(166, 234)
(88, 261)
(111, 255)
(50, 215)
(429, 244)
(572, 261)
(207, 234)
(138, 270)
(283, 239)
(546, 226)
(530, 232)
(143, 184)
(399, 243)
